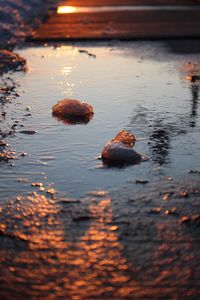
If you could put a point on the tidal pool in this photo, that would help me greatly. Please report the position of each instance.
(74, 228)
(142, 87)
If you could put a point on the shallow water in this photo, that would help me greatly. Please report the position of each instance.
(141, 87)
(89, 231)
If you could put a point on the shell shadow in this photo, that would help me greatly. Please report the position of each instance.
(69, 120)
(107, 164)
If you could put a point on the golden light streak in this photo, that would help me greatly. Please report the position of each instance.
(66, 9)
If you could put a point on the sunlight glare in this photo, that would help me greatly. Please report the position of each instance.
(66, 9)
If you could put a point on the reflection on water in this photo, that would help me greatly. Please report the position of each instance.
(161, 130)
(63, 249)
(194, 103)
(160, 144)
(136, 80)
(51, 261)
(191, 71)
(74, 120)
(131, 247)
(161, 251)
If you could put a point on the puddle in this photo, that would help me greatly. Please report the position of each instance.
(87, 231)
(130, 87)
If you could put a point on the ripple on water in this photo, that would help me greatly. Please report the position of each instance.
(86, 263)
(86, 249)
(164, 117)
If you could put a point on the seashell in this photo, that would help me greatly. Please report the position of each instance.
(72, 111)
(119, 152)
(125, 137)
(119, 149)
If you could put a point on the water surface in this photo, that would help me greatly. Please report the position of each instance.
(72, 228)
(140, 87)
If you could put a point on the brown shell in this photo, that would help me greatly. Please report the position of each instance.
(125, 137)
(72, 108)
(72, 111)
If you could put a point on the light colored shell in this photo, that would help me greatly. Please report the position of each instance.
(119, 152)
(119, 149)
(72, 108)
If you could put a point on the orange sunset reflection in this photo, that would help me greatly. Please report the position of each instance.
(62, 254)
(91, 266)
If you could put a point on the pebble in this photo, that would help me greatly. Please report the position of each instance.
(156, 210)
(23, 154)
(141, 181)
(86, 52)
(165, 196)
(185, 219)
(51, 192)
(171, 211)
(37, 184)
(194, 172)
(193, 220)
(3, 143)
(183, 194)
(195, 78)
(97, 193)
(170, 178)
(28, 132)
